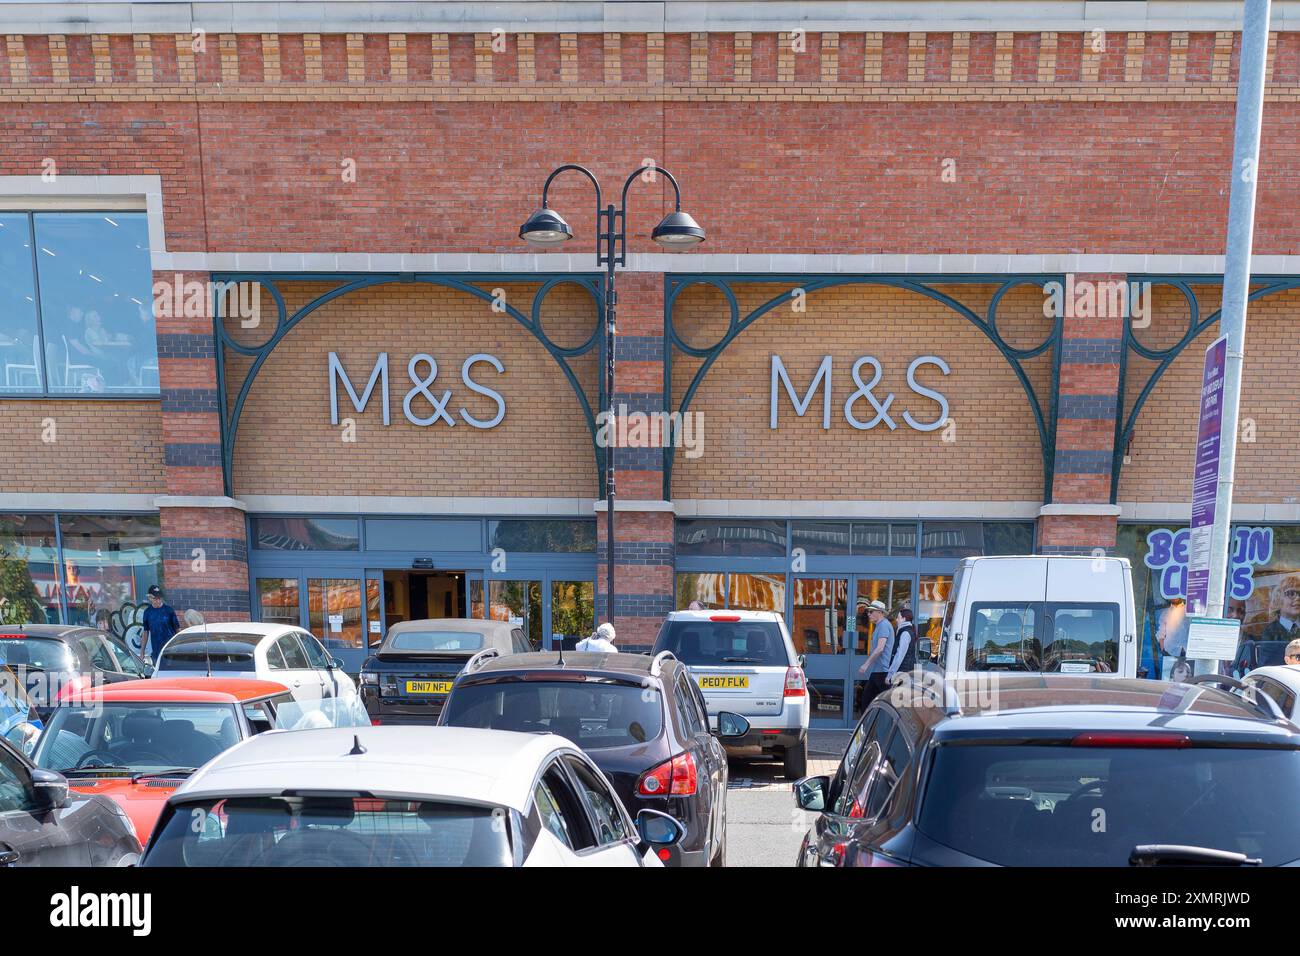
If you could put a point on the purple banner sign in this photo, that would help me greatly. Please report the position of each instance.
(1205, 480)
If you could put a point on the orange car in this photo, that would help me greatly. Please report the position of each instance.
(136, 741)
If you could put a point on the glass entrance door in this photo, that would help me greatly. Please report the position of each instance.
(894, 593)
(819, 627)
(336, 614)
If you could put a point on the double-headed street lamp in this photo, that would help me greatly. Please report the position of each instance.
(677, 230)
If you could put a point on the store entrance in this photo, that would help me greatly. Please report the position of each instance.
(413, 595)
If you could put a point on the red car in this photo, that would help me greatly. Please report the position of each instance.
(136, 741)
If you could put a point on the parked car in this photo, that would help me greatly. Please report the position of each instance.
(408, 678)
(1040, 614)
(641, 720)
(19, 722)
(42, 823)
(1282, 684)
(55, 658)
(404, 796)
(273, 652)
(1020, 770)
(1255, 654)
(135, 742)
(744, 663)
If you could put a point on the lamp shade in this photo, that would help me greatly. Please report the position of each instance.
(546, 227)
(678, 229)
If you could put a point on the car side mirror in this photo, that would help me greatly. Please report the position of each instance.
(659, 829)
(50, 789)
(731, 725)
(810, 793)
(925, 648)
(333, 663)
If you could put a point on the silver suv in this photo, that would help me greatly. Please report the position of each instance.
(745, 663)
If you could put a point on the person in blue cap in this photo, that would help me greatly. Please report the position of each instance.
(160, 622)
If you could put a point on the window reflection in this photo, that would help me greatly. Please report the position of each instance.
(96, 302)
(20, 351)
(520, 603)
(278, 600)
(818, 617)
(708, 589)
(29, 582)
(757, 592)
(573, 610)
(334, 611)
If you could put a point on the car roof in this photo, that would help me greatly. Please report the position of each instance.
(43, 630)
(217, 690)
(1287, 674)
(983, 705)
(636, 666)
(468, 624)
(728, 614)
(251, 628)
(494, 767)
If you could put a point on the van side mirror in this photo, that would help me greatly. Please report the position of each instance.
(810, 793)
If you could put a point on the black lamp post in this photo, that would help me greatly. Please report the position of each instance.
(677, 230)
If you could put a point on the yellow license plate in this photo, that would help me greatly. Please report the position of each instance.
(716, 682)
(428, 686)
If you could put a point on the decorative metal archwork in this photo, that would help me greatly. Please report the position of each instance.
(1044, 417)
(1126, 422)
(285, 323)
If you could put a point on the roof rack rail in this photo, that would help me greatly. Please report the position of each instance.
(657, 664)
(1252, 695)
(481, 658)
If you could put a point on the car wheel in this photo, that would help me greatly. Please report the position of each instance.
(796, 760)
(720, 858)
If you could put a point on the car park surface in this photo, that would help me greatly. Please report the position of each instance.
(408, 677)
(404, 796)
(642, 720)
(1018, 770)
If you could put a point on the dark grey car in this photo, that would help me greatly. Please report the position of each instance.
(42, 823)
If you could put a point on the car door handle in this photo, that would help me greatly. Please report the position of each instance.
(8, 855)
(297, 683)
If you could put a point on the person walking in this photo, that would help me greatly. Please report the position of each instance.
(904, 645)
(160, 623)
(881, 652)
(602, 642)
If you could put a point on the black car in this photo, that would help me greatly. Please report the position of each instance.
(408, 678)
(42, 823)
(640, 719)
(54, 658)
(1048, 770)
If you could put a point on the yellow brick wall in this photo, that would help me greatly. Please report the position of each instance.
(1164, 440)
(286, 444)
(98, 448)
(996, 452)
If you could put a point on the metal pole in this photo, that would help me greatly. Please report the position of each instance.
(611, 302)
(1236, 278)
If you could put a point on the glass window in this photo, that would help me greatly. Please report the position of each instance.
(1038, 636)
(827, 698)
(1003, 637)
(109, 562)
(610, 827)
(138, 736)
(1008, 537)
(894, 593)
(756, 592)
(15, 791)
(818, 616)
(20, 349)
(431, 642)
(709, 589)
(864, 773)
(29, 577)
(871, 539)
(307, 534)
(214, 651)
(275, 657)
(713, 537)
(520, 603)
(573, 609)
(552, 817)
(932, 600)
(334, 611)
(952, 539)
(722, 643)
(543, 536)
(902, 540)
(37, 653)
(277, 599)
(316, 656)
(294, 657)
(96, 290)
(820, 537)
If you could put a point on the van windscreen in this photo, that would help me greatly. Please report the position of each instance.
(722, 643)
(1058, 637)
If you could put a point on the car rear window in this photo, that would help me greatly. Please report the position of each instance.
(1047, 636)
(35, 653)
(212, 651)
(594, 715)
(331, 831)
(434, 642)
(722, 643)
(1090, 806)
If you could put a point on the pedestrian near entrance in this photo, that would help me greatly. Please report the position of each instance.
(904, 645)
(1293, 652)
(602, 642)
(160, 622)
(881, 653)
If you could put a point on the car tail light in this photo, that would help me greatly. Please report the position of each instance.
(1131, 740)
(794, 683)
(376, 722)
(672, 778)
(665, 854)
(724, 617)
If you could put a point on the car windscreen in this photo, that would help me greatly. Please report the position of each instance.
(35, 653)
(331, 831)
(724, 643)
(1043, 636)
(1090, 806)
(319, 712)
(209, 652)
(433, 642)
(135, 736)
(592, 714)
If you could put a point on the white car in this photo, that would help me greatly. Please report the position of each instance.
(275, 652)
(1280, 682)
(404, 796)
(744, 663)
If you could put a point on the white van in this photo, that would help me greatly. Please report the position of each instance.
(1040, 613)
